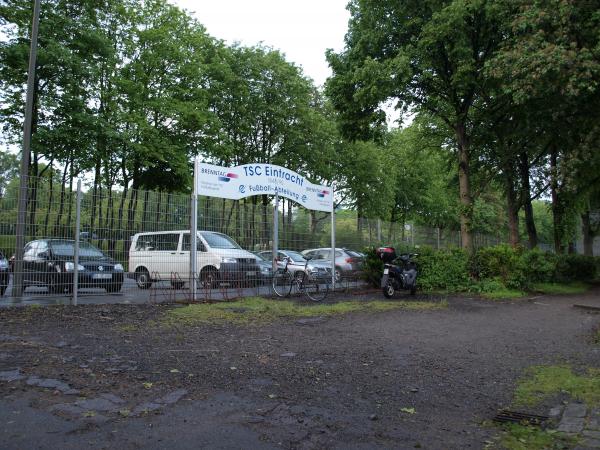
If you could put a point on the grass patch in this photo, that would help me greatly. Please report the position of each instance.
(576, 287)
(261, 310)
(521, 437)
(543, 382)
(503, 293)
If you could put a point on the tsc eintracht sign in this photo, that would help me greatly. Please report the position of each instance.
(261, 179)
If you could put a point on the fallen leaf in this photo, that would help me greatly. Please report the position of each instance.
(147, 385)
(174, 371)
(408, 410)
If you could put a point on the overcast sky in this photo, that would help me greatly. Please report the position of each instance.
(302, 29)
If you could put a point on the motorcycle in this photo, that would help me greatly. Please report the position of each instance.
(399, 272)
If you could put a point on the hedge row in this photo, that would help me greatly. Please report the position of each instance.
(491, 267)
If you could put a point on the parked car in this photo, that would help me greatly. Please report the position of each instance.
(4, 274)
(297, 263)
(50, 263)
(165, 255)
(348, 263)
(265, 267)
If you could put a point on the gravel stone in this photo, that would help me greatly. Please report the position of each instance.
(171, 397)
(97, 404)
(591, 434)
(575, 410)
(11, 375)
(571, 425)
(112, 398)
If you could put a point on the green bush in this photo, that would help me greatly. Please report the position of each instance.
(539, 266)
(372, 267)
(576, 268)
(443, 269)
(501, 262)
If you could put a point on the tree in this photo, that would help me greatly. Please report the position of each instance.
(429, 56)
(549, 65)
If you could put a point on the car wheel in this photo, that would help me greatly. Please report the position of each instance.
(142, 278)
(113, 287)
(210, 278)
(338, 275)
(413, 290)
(388, 290)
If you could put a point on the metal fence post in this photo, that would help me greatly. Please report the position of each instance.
(275, 248)
(378, 231)
(333, 236)
(438, 237)
(76, 252)
(194, 234)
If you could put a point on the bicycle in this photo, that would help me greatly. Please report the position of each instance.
(314, 288)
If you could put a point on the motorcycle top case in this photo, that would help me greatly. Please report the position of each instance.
(387, 254)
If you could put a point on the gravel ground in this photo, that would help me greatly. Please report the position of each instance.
(399, 379)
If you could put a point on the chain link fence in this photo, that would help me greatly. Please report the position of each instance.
(127, 245)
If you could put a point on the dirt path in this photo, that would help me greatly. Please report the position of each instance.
(346, 382)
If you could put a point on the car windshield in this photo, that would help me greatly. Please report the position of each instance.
(218, 240)
(67, 248)
(295, 256)
(261, 257)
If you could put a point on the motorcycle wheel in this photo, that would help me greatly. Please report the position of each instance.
(413, 290)
(388, 290)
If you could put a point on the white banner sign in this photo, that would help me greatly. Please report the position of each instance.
(261, 179)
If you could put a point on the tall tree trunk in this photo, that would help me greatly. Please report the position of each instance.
(145, 209)
(526, 200)
(95, 195)
(61, 205)
(557, 213)
(588, 235)
(466, 201)
(72, 199)
(512, 208)
(50, 200)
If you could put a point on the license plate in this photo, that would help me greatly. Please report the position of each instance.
(250, 274)
(386, 271)
(102, 276)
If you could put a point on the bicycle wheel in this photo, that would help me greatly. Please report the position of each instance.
(282, 283)
(316, 290)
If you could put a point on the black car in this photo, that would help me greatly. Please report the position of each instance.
(50, 262)
(4, 274)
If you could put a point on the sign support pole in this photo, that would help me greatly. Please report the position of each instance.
(194, 234)
(333, 236)
(76, 251)
(275, 231)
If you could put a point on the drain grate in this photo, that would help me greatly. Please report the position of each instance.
(505, 415)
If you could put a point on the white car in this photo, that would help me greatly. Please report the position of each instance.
(165, 255)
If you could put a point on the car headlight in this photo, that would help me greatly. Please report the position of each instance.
(69, 266)
(266, 270)
(118, 268)
(3, 264)
(228, 260)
